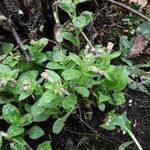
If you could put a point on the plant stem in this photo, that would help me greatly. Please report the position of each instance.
(18, 41)
(69, 112)
(87, 40)
(5, 135)
(55, 14)
(74, 14)
(134, 138)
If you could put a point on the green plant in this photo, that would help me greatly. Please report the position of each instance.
(135, 69)
(52, 83)
(122, 121)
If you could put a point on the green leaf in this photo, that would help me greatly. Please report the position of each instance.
(101, 106)
(71, 74)
(39, 114)
(125, 43)
(79, 22)
(11, 61)
(55, 102)
(83, 91)
(58, 125)
(117, 78)
(86, 81)
(118, 98)
(53, 76)
(67, 6)
(26, 84)
(69, 102)
(36, 111)
(76, 59)
(14, 130)
(58, 56)
(35, 50)
(36, 132)
(82, 20)
(17, 146)
(4, 68)
(122, 121)
(114, 120)
(26, 119)
(46, 98)
(87, 15)
(69, 36)
(11, 114)
(24, 95)
(5, 100)
(20, 139)
(32, 74)
(14, 73)
(102, 98)
(45, 146)
(54, 66)
(7, 73)
(42, 117)
(43, 41)
(115, 54)
(7, 47)
(144, 28)
(41, 58)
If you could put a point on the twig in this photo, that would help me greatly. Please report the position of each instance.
(86, 38)
(18, 41)
(77, 133)
(81, 142)
(96, 3)
(24, 41)
(93, 131)
(28, 147)
(57, 43)
(54, 42)
(130, 9)
(93, 50)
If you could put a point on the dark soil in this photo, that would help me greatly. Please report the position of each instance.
(77, 135)
(81, 133)
(139, 112)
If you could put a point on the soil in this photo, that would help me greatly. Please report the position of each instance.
(81, 133)
(79, 136)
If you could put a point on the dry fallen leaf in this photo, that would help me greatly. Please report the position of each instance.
(143, 3)
(139, 44)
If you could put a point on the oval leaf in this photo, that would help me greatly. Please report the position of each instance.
(11, 114)
(14, 131)
(71, 74)
(69, 102)
(79, 22)
(45, 146)
(36, 132)
(58, 125)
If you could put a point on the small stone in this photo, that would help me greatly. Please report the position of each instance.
(130, 101)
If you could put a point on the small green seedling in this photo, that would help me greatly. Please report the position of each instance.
(122, 121)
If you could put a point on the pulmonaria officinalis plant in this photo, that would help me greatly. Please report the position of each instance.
(51, 85)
